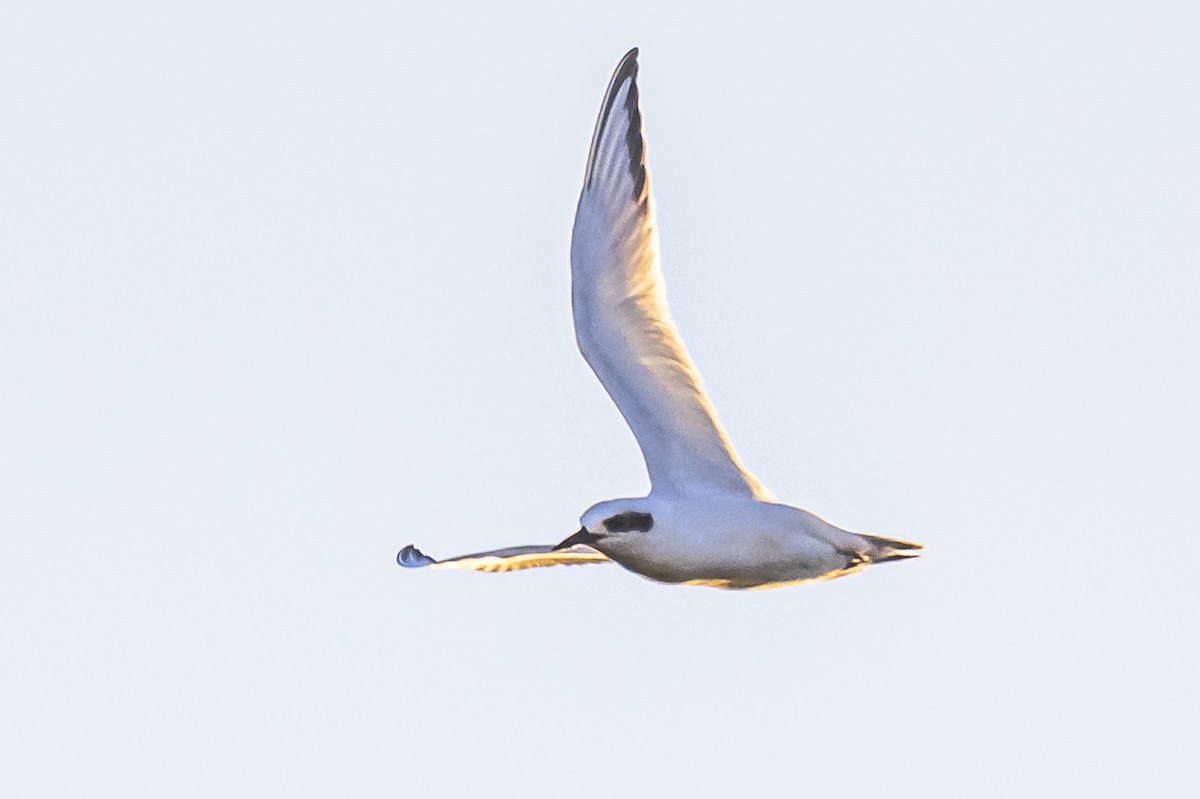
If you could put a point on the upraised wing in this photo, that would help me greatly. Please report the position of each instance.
(504, 560)
(622, 323)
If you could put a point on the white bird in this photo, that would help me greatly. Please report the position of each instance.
(706, 520)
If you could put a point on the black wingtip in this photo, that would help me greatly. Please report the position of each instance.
(411, 558)
(627, 70)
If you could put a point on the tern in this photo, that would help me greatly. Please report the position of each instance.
(707, 520)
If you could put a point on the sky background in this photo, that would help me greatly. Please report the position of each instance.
(285, 287)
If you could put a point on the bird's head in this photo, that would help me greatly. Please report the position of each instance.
(613, 525)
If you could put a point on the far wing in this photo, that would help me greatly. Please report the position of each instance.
(504, 560)
(621, 320)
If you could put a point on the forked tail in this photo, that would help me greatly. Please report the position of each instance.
(886, 549)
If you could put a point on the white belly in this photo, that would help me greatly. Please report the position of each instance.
(737, 543)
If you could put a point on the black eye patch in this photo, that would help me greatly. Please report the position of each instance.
(629, 522)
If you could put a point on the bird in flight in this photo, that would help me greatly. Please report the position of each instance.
(706, 520)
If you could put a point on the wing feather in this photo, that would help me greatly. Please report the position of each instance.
(510, 559)
(622, 324)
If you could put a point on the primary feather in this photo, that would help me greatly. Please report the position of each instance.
(509, 559)
(622, 323)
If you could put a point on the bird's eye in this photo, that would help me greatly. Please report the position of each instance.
(633, 521)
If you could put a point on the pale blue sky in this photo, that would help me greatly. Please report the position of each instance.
(285, 288)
